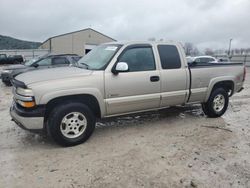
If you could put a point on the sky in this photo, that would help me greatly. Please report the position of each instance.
(205, 23)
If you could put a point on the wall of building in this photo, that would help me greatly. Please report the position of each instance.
(75, 42)
(45, 45)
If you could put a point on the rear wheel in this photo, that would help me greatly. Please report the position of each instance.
(71, 123)
(217, 103)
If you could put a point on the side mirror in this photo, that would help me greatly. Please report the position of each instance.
(35, 65)
(120, 67)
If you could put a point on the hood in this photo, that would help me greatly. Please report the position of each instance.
(52, 74)
(13, 67)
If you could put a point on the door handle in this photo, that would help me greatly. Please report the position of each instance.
(154, 78)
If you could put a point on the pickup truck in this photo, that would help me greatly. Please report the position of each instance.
(12, 59)
(116, 79)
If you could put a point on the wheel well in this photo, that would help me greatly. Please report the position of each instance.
(88, 100)
(227, 85)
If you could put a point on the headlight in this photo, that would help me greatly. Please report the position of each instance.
(7, 71)
(24, 97)
(24, 92)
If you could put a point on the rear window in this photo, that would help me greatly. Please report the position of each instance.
(169, 55)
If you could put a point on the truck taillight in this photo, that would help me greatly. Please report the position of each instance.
(244, 75)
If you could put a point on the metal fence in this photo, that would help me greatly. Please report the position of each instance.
(26, 53)
(238, 58)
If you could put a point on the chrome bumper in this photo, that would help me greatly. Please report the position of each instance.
(27, 123)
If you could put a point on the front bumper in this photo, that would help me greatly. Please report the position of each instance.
(31, 120)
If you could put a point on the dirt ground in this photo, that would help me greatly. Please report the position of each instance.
(169, 148)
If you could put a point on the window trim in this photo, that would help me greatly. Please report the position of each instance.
(160, 56)
(132, 47)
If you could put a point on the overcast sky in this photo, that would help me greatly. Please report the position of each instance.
(206, 23)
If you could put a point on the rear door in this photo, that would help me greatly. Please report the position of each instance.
(174, 76)
(135, 90)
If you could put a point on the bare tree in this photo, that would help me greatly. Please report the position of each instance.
(209, 51)
(195, 52)
(188, 46)
(151, 39)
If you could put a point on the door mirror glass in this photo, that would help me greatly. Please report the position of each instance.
(121, 67)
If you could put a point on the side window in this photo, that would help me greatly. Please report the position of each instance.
(139, 59)
(44, 62)
(198, 60)
(211, 59)
(60, 61)
(2, 56)
(204, 60)
(169, 55)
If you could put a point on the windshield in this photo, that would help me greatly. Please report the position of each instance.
(99, 57)
(27, 63)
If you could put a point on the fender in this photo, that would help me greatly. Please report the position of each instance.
(217, 80)
(44, 99)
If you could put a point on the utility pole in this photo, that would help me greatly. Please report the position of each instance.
(229, 48)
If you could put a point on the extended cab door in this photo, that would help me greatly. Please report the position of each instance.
(135, 90)
(174, 76)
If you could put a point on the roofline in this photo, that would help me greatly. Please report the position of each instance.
(128, 42)
(77, 32)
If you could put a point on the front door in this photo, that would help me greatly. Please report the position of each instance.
(135, 90)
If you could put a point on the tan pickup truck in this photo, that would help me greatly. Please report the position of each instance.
(115, 79)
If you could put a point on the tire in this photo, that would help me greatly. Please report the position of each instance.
(65, 123)
(7, 83)
(204, 108)
(217, 103)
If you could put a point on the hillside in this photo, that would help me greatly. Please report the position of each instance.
(7, 43)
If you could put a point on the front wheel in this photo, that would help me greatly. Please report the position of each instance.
(217, 103)
(71, 123)
(7, 83)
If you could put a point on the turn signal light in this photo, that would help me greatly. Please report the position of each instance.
(26, 104)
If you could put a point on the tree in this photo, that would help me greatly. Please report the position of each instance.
(152, 39)
(188, 46)
(195, 52)
(209, 51)
(191, 49)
